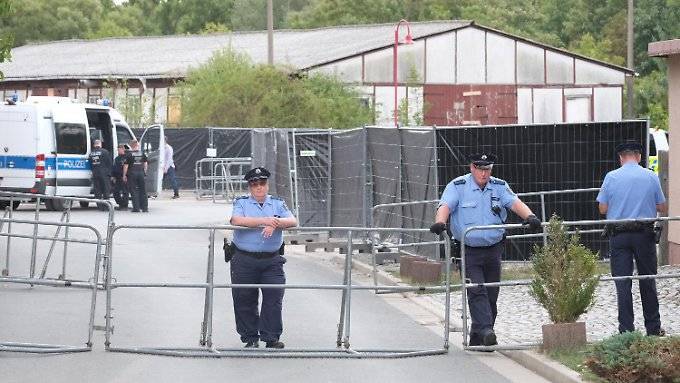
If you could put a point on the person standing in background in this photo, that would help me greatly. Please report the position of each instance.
(169, 169)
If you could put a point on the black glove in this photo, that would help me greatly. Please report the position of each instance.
(228, 250)
(533, 222)
(438, 228)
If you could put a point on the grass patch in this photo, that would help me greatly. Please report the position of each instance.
(574, 358)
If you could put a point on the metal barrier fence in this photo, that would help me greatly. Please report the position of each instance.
(400, 241)
(65, 219)
(465, 285)
(208, 349)
(223, 177)
(92, 284)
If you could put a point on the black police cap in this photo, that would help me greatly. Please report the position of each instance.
(258, 173)
(482, 159)
(632, 146)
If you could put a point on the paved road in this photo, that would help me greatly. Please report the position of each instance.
(164, 317)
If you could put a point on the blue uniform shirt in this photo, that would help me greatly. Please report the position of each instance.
(252, 239)
(631, 191)
(471, 206)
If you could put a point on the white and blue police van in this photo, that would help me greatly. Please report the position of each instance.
(45, 143)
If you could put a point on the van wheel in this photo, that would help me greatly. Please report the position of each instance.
(15, 204)
(84, 204)
(55, 205)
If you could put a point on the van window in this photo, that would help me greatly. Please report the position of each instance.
(71, 138)
(652, 146)
(123, 134)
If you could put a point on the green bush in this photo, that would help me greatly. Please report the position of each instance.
(231, 90)
(634, 358)
(565, 274)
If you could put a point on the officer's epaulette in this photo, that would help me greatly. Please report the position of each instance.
(277, 198)
(241, 197)
(459, 181)
(497, 181)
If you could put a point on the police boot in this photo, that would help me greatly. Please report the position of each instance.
(275, 344)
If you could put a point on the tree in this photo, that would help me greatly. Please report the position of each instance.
(230, 90)
(6, 37)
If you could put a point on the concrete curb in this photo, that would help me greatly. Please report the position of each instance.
(531, 360)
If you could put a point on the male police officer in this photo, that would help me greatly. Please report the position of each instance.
(134, 170)
(257, 259)
(629, 192)
(120, 192)
(478, 199)
(100, 160)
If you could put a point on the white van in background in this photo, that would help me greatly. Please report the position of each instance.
(45, 143)
(658, 141)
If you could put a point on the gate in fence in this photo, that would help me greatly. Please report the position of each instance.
(207, 348)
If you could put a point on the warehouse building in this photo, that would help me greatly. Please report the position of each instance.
(453, 72)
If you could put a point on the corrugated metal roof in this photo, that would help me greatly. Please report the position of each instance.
(172, 56)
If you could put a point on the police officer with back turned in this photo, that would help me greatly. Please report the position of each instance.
(134, 170)
(120, 192)
(630, 192)
(257, 259)
(477, 199)
(100, 160)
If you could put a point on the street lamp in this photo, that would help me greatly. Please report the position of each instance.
(407, 40)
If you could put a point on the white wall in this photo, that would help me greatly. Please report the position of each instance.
(441, 59)
(530, 64)
(500, 59)
(560, 68)
(547, 105)
(608, 104)
(470, 57)
(525, 106)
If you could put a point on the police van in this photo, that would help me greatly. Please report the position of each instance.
(658, 141)
(45, 143)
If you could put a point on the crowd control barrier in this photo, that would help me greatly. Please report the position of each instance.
(207, 348)
(467, 285)
(92, 284)
(36, 200)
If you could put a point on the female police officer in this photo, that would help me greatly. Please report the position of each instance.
(257, 260)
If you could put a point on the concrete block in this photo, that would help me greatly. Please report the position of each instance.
(405, 262)
(426, 271)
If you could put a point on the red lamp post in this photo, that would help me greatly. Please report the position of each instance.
(407, 40)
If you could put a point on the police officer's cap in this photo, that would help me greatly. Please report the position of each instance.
(632, 146)
(258, 173)
(483, 160)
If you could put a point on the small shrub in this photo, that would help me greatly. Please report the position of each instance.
(634, 358)
(565, 274)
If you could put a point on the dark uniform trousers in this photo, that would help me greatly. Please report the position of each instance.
(100, 181)
(120, 192)
(483, 264)
(624, 248)
(137, 188)
(267, 324)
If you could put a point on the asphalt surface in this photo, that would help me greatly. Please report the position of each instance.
(172, 317)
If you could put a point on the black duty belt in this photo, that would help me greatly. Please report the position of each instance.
(258, 254)
(632, 227)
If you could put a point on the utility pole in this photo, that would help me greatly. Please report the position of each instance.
(270, 32)
(629, 62)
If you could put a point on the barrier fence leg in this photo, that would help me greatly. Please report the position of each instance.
(8, 214)
(463, 286)
(447, 304)
(43, 271)
(94, 286)
(374, 249)
(543, 218)
(341, 324)
(206, 325)
(107, 284)
(348, 266)
(66, 237)
(34, 246)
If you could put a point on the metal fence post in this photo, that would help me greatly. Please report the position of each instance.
(34, 245)
(543, 219)
(348, 286)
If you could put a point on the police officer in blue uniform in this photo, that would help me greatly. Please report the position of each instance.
(478, 199)
(257, 259)
(100, 161)
(628, 192)
(134, 171)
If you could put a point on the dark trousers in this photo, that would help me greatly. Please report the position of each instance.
(483, 265)
(137, 191)
(640, 247)
(171, 177)
(100, 182)
(253, 324)
(120, 192)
